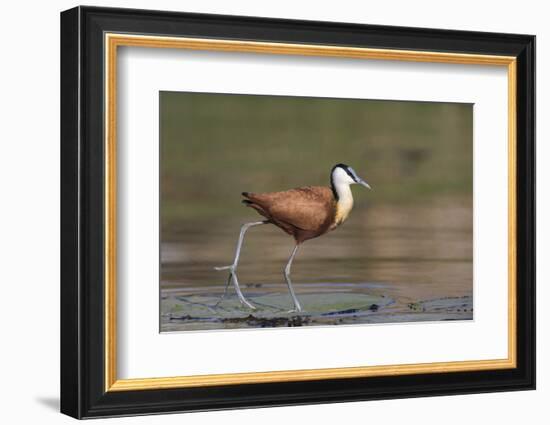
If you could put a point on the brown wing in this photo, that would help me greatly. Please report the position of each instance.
(307, 208)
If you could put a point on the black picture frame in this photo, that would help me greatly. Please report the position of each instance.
(83, 392)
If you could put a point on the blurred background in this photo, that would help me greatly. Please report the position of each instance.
(410, 237)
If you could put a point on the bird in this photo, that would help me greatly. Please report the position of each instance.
(303, 213)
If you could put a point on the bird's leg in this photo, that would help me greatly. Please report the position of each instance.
(233, 267)
(297, 306)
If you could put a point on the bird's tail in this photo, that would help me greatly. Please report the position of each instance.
(246, 201)
(251, 202)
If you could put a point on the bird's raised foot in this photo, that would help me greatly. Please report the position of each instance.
(231, 268)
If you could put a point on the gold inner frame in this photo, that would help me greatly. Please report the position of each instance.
(113, 41)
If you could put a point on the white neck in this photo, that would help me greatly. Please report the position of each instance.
(343, 191)
(341, 181)
(345, 202)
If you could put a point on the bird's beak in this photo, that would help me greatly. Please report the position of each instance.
(364, 183)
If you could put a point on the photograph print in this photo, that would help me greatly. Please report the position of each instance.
(286, 211)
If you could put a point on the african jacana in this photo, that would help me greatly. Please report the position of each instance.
(304, 213)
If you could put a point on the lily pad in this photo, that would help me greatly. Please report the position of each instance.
(353, 304)
(273, 309)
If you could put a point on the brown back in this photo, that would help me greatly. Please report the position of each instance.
(310, 208)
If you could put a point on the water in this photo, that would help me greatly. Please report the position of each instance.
(387, 263)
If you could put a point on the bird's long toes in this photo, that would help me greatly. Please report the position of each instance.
(248, 304)
(231, 267)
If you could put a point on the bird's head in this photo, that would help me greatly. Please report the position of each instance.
(343, 174)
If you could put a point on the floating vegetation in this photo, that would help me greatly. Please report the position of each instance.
(183, 312)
